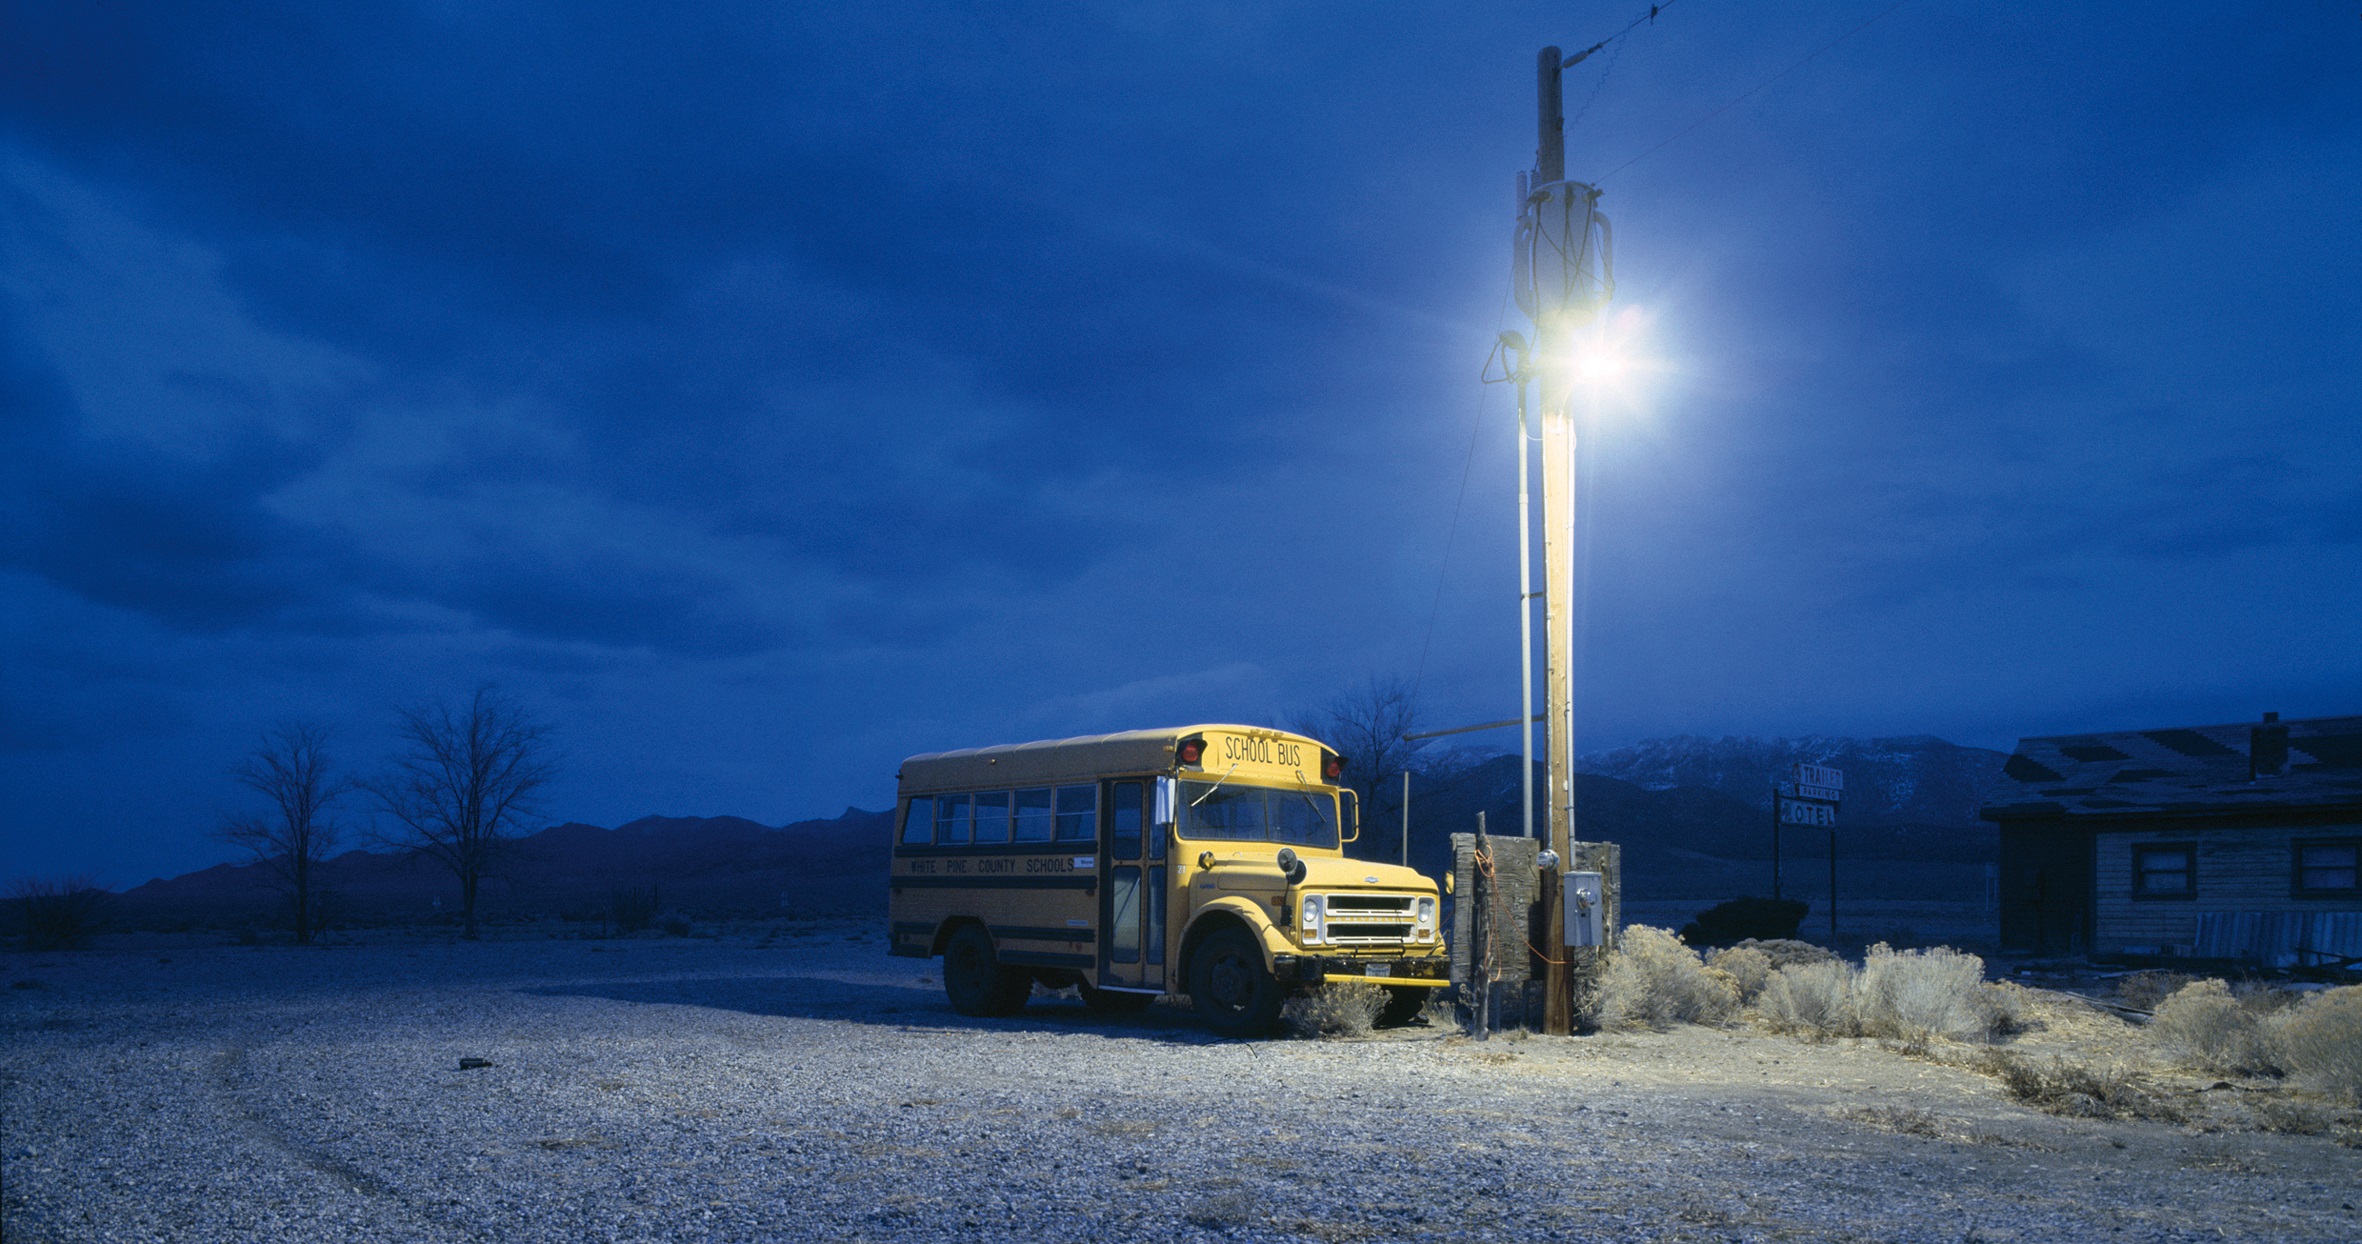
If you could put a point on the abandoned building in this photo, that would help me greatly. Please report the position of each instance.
(2229, 843)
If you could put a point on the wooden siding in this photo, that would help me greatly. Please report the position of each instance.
(2239, 870)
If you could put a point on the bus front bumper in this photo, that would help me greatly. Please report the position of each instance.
(1313, 969)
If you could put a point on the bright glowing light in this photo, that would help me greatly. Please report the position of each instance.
(1610, 359)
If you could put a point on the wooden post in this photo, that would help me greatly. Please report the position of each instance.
(1480, 956)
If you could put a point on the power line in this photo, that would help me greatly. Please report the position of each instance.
(1635, 24)
(1750, 92)
(1475, 431)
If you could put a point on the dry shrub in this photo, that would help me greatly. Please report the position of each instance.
(2142, 991)
(1654, 981)
(2319, 1042)
(1902, 1120)
(1750, 969)
(1226, 1211)
(2202, 1026)
(1336, 1009)
(55, 915)
(1787, 952)
(2076, 1089)
(1918, 995)
(1911, 996)
(1816, 999)
(2004, 1003)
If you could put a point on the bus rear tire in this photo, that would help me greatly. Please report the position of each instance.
(1233, 991)
(975, 981)
(1115, 1002)
(1403, 1005)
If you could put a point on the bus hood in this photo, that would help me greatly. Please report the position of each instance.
(1334, 874)
(1260, 872)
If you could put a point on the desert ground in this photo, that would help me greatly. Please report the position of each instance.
(792, 1082)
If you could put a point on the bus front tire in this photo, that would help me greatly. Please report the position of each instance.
(974, 979)
(1233, 991)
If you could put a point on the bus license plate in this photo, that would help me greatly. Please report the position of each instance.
(1378, 969)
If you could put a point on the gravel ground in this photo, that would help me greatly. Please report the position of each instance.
(802, 1085)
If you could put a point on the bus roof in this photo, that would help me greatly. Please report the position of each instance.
(1014, 764)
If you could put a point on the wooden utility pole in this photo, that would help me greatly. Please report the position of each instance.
(1551, 332)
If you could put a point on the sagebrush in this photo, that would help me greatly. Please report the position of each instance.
(2203, 1027)
(1918, 995)
(1750, 969)
(2320, 1042)
(1913, 996)
(1654, 981)
(1815, 999)
(2142, 991)
(2077, 1089)
(1336, 1009)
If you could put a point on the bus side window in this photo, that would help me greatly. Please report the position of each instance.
(1033, 815)
(1123, 826)
(918, 821)
(951, 819)
(1078, 813)
(992, 816)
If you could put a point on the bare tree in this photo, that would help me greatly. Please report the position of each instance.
(291, 768)
(1366, 726)
(467, 775)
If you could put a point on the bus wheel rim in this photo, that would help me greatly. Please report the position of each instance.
(1234, 985)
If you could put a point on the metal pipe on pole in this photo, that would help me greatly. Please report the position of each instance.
(1525, 606)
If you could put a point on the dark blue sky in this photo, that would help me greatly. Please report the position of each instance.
(765, 393)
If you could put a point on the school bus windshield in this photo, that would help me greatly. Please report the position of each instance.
(1236, 812)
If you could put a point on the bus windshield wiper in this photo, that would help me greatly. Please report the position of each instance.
(1216, 786)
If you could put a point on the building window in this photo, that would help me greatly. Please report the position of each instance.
(2165, 871)
(2328, 869)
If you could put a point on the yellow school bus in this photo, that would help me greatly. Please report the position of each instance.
(1205, 861)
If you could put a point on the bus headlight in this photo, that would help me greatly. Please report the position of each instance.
(1310, 917)
(1426, 910)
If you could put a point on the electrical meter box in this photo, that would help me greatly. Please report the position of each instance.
(1586, 912)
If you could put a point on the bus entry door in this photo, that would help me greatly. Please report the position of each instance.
(1132, 898)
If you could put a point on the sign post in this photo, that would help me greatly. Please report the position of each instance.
(1809, 798)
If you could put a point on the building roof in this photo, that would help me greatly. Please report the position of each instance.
(2184, 770)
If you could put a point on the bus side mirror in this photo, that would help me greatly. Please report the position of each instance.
(1168, 797)
(1352, 799)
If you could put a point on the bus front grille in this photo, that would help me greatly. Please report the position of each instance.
(1369, 919)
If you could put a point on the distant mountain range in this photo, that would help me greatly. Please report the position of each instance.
(708, 866)
(1693, 815)
(1912, 780)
